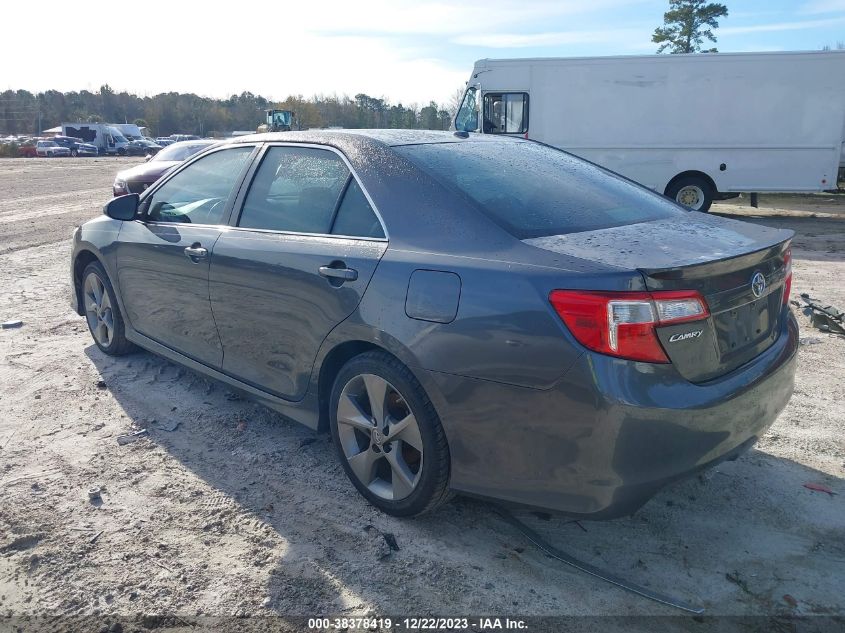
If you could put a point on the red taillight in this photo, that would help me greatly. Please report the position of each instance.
(622, 323)
(787, 281)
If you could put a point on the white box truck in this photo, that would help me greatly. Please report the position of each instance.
(694, 127)
(129, 130)
(107, 138)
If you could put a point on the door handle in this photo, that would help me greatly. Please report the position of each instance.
(195, 251)
(346, 274)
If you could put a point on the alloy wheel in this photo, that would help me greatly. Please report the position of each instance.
(98, 310)
(380, 437)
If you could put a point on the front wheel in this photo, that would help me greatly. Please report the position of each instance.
(388, 436)
(693, 192)
(105, 322)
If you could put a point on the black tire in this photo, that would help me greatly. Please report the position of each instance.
(432, 487)
(118, 344)
(698, 183)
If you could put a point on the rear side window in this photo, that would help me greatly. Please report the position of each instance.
(533, 190)
(355, 216)
(307, 190)
(296, 189)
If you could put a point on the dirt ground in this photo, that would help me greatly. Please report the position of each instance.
(228, 509)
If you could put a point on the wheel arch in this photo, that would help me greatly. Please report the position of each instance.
(691, 173)
(80, 262)
(339, 349)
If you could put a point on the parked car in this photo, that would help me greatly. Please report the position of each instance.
(28, 150)
(480, 314)
(50, 149)
(77, 146)
(164, 141)
(139, 178)
(142, 148)
(184, 137)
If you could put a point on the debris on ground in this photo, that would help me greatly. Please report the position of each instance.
(128, 438)
(389, 539)
(241, 426)
(739, 582)
(7, 325)
(167, 426)
(819, 488)
(94, 493)
(792, 602)
(101, 384)
(826, 318)
(809, 340)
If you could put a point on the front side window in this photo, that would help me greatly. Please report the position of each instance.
(467, 118)
(198, 194)
(506, 113)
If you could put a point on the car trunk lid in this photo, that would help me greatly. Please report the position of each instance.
(717, 258)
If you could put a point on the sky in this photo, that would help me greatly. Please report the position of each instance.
(406, 51)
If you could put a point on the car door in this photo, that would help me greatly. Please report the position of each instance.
(163, 256)
(306, 243)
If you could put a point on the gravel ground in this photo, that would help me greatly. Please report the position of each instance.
(227, 509)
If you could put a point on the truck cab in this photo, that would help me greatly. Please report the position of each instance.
(501, 112)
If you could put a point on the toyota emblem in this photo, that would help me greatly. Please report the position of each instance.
(758, 284)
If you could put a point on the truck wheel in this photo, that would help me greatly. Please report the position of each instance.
(693, 192)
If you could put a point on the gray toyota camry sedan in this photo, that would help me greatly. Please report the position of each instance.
(470, 314)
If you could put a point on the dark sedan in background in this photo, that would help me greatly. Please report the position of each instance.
(137, 179)
(142, 147)
(463, 313)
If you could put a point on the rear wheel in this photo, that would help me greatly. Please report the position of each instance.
(388, 436)
(105, 322)
(694, 192)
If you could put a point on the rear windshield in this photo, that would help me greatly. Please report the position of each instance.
(532, 190)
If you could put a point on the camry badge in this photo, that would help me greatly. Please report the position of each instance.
(758, 284)
(683, 337)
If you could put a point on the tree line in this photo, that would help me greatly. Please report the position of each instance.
(22, 112)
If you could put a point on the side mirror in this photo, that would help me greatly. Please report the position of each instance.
(123, 207)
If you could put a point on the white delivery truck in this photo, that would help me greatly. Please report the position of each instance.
(106, 137)
(694, 127)
(129, 130)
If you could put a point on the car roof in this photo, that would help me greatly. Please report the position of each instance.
(389, 138)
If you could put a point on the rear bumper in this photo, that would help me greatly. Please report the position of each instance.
(612, 432)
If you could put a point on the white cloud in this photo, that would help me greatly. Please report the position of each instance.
(623, 38)
(780, 26)
(824, 6)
